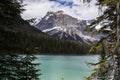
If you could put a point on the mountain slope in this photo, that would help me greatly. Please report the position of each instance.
(62, 26)
(17, 24)
(18, 36)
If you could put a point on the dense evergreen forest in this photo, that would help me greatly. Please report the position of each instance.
(18, 36)
(19, 42)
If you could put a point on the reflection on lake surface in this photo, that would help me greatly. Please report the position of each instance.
(65, 67)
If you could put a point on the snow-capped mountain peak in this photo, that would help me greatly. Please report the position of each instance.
(63, 26)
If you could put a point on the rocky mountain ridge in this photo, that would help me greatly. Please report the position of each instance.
(62, 26)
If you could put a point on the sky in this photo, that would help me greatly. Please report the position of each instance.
(39, 8)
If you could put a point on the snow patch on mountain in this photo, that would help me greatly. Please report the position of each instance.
(63, 26)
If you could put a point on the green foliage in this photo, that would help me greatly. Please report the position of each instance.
(19, 42)
(10, 8)
(110, 58)
(98, 47)
(29, 71)
(18, 67)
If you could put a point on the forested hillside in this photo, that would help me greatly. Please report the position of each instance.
(18, 36)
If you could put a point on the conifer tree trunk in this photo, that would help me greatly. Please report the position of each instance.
(117, 47)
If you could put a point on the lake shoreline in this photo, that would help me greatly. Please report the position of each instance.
(50, 54)
(66, 54)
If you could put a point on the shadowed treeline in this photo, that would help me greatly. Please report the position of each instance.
(18, 36)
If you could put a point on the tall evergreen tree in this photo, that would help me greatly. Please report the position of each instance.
(108, 67)
(18, 67)
(8, 67)
(10, 8)
(29, 71)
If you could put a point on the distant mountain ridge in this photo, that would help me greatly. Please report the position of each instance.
(63, 26)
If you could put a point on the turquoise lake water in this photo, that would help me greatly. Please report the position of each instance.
(67, 67)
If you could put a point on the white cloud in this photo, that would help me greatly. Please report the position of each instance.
(39, 8)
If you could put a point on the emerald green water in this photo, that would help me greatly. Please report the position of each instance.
(67, 67)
